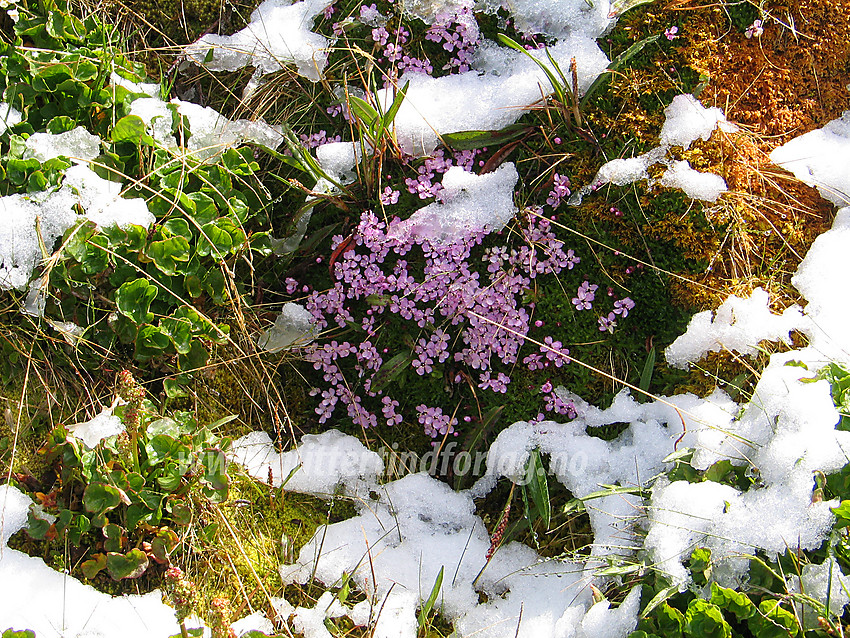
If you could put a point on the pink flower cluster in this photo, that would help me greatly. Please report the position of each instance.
(423, 184)
(474, 319)
(458, 34)
(560, 189)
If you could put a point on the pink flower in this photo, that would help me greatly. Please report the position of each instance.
(755, 29)
(389, 196)
(670, 33)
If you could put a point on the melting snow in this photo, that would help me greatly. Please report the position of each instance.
(278, 33)
(293, 326)
(50, 214)
(686, 120)
(469, 203)
(814, 159)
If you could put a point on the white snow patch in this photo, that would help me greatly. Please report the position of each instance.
(819, 158)
(686, 120)
(55, 212)
(821, 585)
(294, 326)
(738, 325)
(148, 88)
(502, 86)
(102, 426)
(339, 160)
(469, 203)
(556, 19)
(318, 466)
(211, 132)
(77, 144)
(417, 527)
(278, 34)
(696, 185)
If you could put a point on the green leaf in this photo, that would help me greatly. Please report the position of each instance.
(94, 566)
(180, 333)
(468, 140)
(171, 477)
(164, 543)
(60, 124)
(842, 515)
(704, 620)
(37, 525)
(670, 621)
(196, 358)
(150, 342)
(363, 111)
(730, 600)
(37, 182)
(160, 447)
(48, 78)
(773, 621)
(205, 208)
(538, 486)
(178, 227)
(720, 471)
(215, 285)
(390, 371)
(130, 128)
(214, 463)
(137, 513)
(214, 240)
(114, 538)
(261, 243)
(428, 606)
(168, 254)
(648, 369)
(100, 497)
(134, 300)
(658, 599)
(130, 565)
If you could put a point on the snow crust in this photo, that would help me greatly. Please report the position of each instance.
(293, 326)
(322, 463)
(686, 120)
(813, 159)
(211, 132)
(278, 34)
(502, 86)
(737, 325)
(468, 203)
(77, 144)
(54, 212)
(556, 19)
(93, 431)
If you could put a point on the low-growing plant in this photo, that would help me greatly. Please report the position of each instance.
(128, 498)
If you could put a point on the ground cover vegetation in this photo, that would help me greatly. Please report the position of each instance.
(135, 353)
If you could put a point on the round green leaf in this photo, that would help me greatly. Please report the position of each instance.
(130, 565)
(130, 128)
(134, 300)
(100, 497)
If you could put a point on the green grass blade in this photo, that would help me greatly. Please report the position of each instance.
(428, 606)
(648, 369)
(538, 486)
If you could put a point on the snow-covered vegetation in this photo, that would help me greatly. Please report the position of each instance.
(424, 318)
